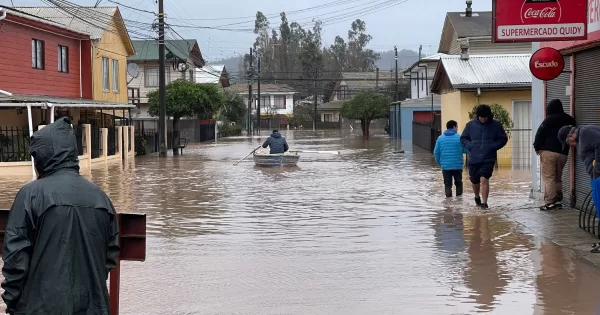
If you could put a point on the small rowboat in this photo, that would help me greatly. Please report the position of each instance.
(275, 160)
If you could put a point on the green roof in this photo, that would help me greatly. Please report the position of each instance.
(148, 50)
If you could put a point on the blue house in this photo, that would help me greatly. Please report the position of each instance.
(422, 103)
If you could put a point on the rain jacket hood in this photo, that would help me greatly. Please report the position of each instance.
(54, 148)
(546, 137)
(61, 238)
(276, 135)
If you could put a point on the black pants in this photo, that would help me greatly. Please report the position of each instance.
(448, 176)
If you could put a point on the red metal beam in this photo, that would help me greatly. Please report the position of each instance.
(132, 240)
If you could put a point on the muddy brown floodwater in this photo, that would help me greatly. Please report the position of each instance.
(366, 232)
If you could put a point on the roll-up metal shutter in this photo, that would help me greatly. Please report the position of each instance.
(587, 110)
(557, 88)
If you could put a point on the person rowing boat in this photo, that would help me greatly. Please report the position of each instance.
(276, 143)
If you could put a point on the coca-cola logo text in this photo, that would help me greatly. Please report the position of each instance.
(551, 64)
(545, 13)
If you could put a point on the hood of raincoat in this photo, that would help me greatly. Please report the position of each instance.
(450, 132)
(489, 121)
(54, 148)
(276, 135)
(555, 106)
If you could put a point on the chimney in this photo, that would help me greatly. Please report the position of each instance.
(469, 11)
(464, 49)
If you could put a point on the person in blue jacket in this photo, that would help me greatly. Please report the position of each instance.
(448, 154)
(483, 137)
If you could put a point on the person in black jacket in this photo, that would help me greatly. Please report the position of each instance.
(483, 137)
(552, 153)
(61, 239)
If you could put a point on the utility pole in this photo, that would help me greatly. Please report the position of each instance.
(420, 51)
(162, 120)
(315, 102)
(396, 96)
(258, 106)
(377, 79)
(250, 75)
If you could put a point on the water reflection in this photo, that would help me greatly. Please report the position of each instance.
(365, 232)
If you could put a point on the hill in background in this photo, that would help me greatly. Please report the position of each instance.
(386, 62)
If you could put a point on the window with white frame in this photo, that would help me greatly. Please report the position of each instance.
(37, 54)
(63, 59)
(151, 76)
(279, 101)
(327, 117)
(265, 102)
(115, 75)
(105, 75)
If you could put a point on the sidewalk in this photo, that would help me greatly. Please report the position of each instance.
(561, 227)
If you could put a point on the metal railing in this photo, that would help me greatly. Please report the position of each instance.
(14, 144)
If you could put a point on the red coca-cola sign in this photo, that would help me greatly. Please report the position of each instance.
(546, 64)
(541, 12)
(539, 20)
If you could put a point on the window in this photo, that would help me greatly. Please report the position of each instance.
(151, 76)
(265, 102)
(343, 93)
(328, 117)
(115, 75)
(37, 54)
(280, 101)
(191, 75)
(105, 77)
(63, 59)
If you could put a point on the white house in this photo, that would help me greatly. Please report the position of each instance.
(212, 74)
(275, 99)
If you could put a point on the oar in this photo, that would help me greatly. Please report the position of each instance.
(238, 162)
(320, 152)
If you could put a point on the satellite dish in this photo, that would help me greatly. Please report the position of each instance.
(182, 66)
(133, 70)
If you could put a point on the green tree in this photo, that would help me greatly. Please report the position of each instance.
(234, 108)
(302, 113)
(186, 99)
(500, 114)
(366, 106)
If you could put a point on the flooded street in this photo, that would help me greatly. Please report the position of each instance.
(365, 232)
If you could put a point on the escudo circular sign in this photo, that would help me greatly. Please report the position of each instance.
(546, 64)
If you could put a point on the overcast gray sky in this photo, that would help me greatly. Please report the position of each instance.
(407, 24)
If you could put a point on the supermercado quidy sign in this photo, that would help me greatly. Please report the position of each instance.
(546, 64)
(539, 20)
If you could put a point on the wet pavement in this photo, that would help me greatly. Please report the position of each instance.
(365, 232)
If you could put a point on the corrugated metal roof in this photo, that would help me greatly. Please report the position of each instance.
(488, 70)
(264, 88)
(75, 18)
(362, 81)
(428, 59)
(423, 102)
(148, 49)
(210, 74)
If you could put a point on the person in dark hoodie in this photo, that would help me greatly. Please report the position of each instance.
(483, 137)
(61, 239)
(276, 143)
(587, 141)
(553, 154)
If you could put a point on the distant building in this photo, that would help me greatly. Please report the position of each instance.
(275, 99)
(212, 74)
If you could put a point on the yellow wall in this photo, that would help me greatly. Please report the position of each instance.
(457, 105)
(112, 46)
